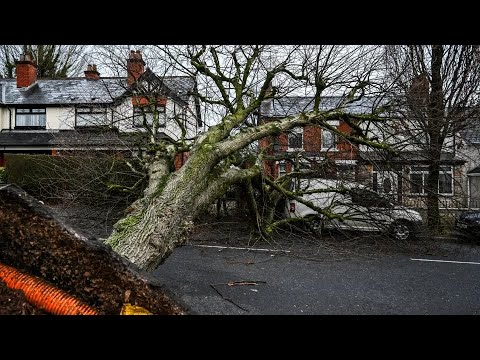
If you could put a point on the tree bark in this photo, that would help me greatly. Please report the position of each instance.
(163, 219)
(435, 126)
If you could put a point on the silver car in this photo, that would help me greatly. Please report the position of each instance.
(357, 207)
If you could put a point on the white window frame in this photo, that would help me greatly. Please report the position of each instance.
(447, 172)
(332, 140)
(424, 171)
(280, 165)
(332, 136)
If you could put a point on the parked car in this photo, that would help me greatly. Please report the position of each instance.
(360, 208)
(468, 224)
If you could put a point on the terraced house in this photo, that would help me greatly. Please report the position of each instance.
(50, 116)
(403, 176)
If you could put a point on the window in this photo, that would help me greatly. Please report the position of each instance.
(31, 118)
(419, 175)
(445, 180)
(385, 182)
(91, 116)
(141, 113)
(295, 139)
(418, 179)
(282, 168)
(329, 141)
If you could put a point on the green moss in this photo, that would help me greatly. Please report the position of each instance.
(161, 185)
(121, 227)
(3, 175)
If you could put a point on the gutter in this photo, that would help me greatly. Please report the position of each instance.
(10, 119)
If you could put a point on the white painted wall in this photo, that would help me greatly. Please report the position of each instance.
(123, 119)
(65, 118)
(4, 118)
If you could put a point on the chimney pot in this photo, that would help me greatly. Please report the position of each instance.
(91, 73)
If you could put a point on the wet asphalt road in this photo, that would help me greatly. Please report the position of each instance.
(282, 284)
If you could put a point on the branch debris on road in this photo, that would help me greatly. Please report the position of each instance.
(236, 283)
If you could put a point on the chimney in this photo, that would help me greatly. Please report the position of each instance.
(91, 73)
(419, 89)
(135, 66)
(26, 71)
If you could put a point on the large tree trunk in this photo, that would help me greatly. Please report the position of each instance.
(436, 123)
(163, 218)
(433, 211)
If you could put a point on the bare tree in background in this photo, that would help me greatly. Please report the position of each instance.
(233, 82)
(52, 60)
(436, 93)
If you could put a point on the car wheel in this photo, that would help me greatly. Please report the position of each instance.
(314, 225)
(401, 231)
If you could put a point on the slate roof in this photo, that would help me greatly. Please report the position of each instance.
(472, 133)
(8, 138)
(69, 91)
(74, 91)
(291, 105)
(409, 157)
(474, 171)
(72, 139)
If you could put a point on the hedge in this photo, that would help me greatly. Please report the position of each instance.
(89, 178)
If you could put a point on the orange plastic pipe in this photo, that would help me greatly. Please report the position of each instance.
(44, 295)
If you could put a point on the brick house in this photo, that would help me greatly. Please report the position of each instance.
(402, 176)
(318, 147)
(51, 116)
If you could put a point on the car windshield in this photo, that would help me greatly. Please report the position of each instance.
(368, 198)
(472, 216)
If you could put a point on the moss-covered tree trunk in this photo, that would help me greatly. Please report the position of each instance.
(163, 218)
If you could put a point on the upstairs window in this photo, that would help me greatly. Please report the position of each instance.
(145, 115)
(282, 168)
(329, 141)
(91, 116)
(295, 139)
(34, 118)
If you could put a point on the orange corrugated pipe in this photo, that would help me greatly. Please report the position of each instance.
(44, 295)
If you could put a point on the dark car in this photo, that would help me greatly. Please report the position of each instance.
(468, 224)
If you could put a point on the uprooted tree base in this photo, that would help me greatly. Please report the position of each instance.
(35, 241)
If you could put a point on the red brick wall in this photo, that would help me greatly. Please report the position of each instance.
(26, 73)
(142, 100)
(312, 142)
(312, 138)
(282, 142)
(344, 145)
(92, 75)
(180, 159)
